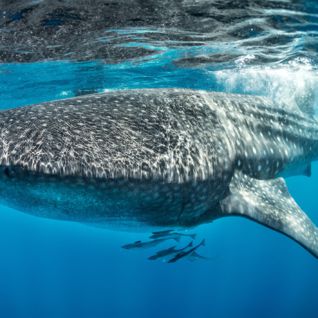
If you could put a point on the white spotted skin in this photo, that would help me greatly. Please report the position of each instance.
(269, 140)
(269, 203)
(160, 157)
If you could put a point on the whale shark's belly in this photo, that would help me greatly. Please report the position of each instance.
(114, 202)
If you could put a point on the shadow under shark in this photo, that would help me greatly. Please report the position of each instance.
(158, 158)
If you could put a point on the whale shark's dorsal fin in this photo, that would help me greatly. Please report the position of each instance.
(268, 202)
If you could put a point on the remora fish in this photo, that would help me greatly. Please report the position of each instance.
(146, 244)
(168, 251)
(159, 158)
(189, 252)
(168, 233)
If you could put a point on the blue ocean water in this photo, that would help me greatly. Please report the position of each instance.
(60, 269)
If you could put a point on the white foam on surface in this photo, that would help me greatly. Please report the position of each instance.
(294, 83)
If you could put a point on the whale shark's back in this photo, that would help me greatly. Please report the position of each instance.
(167, 134)
(160, 156)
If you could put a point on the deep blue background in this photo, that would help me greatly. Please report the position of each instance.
(57, 269)
(54, 269)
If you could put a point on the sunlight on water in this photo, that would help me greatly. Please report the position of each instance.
(292, 84)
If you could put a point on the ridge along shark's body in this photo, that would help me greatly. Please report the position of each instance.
(160, 158)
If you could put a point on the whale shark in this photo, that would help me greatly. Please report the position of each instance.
(159, 159)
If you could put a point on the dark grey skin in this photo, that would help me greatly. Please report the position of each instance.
(158, 158)
(169, 251)
(163, 253)
(170, 233)
(146, 244)
(186, 253)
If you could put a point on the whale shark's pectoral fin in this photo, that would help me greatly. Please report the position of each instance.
(268, 202)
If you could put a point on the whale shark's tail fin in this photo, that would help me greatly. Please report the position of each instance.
(268, 202)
